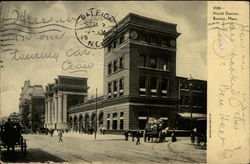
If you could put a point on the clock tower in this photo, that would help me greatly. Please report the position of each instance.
(140, 66)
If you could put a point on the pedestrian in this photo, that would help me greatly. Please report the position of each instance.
(133, 135)
(60, 136)
(51, 132)
(126, 135)
(138, 135)
(193, 132)
(173, 137)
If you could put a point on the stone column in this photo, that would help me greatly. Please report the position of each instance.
(64, 112)
(49, 111)
(59, 120)
(46, 113)
(53, 110)
(97, 124)
(118, 124)
(56, 109)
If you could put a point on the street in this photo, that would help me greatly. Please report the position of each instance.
(105, 149)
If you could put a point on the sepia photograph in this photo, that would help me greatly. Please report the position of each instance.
(106, 81)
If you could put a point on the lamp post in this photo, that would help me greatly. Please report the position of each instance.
(190, 85)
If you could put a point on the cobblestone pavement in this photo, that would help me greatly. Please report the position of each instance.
(82, 148)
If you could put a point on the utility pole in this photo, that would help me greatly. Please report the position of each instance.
(190, 81)
(1, 66)
(95, 112)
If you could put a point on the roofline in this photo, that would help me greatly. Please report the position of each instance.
(192, 79)
(151, 19)
(71, 77)
(144, 17)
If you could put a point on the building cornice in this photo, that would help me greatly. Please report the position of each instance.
(122, 100)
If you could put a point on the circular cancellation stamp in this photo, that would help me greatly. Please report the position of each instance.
(91, 25)
(223, 46)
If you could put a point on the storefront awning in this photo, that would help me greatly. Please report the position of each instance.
(194, 115)
(142, 118)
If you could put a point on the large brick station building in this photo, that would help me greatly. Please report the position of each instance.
(139, 76)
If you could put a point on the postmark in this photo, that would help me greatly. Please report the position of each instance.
(223, 46)
(91, 26)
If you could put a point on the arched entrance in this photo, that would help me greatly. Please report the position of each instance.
(93, 121)
(81, 124)
(75, 124)
(100, 119)
(87, 121)
(70, 123)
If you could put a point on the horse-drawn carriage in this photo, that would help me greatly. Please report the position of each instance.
(10, 137)
(156, 129)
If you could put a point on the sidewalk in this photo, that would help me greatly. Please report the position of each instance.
(92, 137)
(174, 151)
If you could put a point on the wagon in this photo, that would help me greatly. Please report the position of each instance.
(10, 137)
(155, 130)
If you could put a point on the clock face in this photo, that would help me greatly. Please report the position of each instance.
(172, 43)
(134, 35)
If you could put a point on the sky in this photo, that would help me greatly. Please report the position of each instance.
(50, 32)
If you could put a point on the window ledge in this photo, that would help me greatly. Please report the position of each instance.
(154, 69)
(120, 69)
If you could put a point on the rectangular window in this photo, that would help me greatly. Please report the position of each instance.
(121, 114)
(143, 37)
(142, 85)
(143, 60)
(152, 62)
(186, 100)
(108, 124)
(115, 65)
(121, 86)
(121, 124)
(153, 86)
(164, 64)
(115, 44)
(122, 39)
(181, 85)
(121, 62)
(109, 90)
(109, 48)
(109, 68)
(153, 40)
(115, 88)
(114, 115)
(181, 100)
(114, 124)
(164, 87)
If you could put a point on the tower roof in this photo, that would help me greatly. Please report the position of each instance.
(140, 21)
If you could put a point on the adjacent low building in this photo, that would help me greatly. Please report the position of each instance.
(32, 106)
(66, 91)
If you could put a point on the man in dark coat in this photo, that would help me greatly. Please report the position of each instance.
(138, 135)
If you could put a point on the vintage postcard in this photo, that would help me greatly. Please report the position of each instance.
(124, 82)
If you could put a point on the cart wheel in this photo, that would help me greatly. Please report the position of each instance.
(24, 146)
(21, 144)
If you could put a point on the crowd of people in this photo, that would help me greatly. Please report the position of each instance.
(160, 137)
